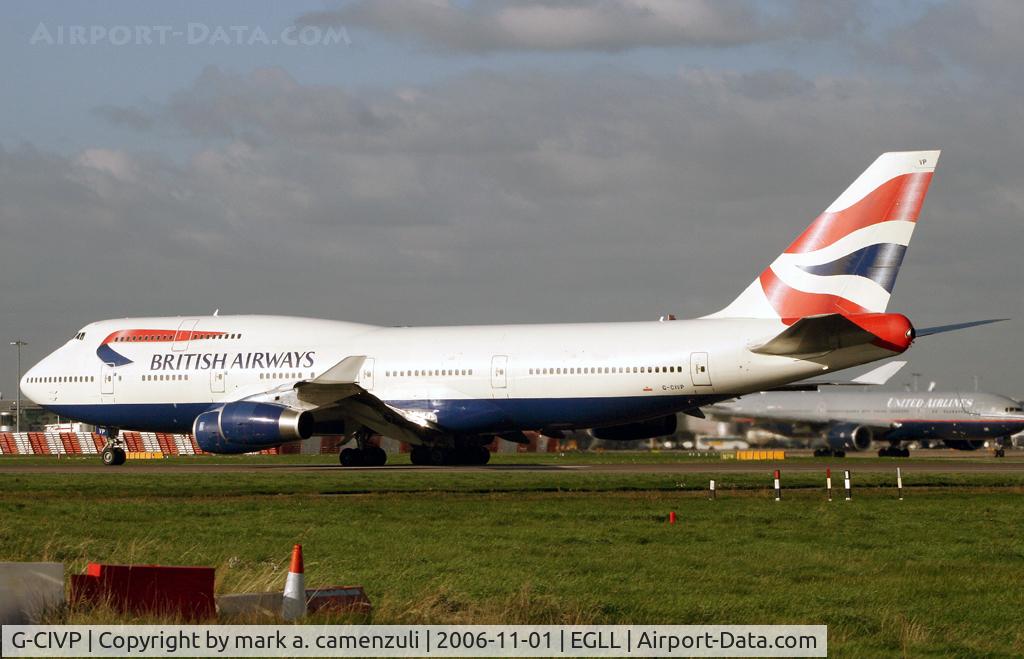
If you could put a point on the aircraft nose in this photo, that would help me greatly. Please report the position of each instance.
(28, 384)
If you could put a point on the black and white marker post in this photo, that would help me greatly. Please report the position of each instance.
(828, 482)
(778, 487)
(899, 483)
(846, 485)
(711, 490)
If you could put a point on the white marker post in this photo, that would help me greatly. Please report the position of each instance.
(899, 483)
(711, 490)
(828, 482)
(778, 487)
(846, 485)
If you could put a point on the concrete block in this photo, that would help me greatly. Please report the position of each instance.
(27, 590)
(241, 604)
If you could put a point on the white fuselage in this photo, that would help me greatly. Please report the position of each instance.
(160, 373)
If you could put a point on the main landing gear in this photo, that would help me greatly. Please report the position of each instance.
(829, 453)
(1001, 445)
(365, 455)
(894, 450)
(113, 453)
(459, 455)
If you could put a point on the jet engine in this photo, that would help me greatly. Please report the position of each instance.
(665, 425)
(849, 436)
(244, 427)
(965, 444)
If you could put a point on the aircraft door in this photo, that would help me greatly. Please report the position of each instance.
(699, 372)
(184, 334)
(218, 380)
(107, 379)
(499, 376)
(366, 375)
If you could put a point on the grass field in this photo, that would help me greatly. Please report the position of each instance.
(940, 573)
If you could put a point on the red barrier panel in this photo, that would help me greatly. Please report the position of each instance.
(166, 442)
(133, 441)
(165, 590)
(195, 446)
(8, 444)
(330, 443)
(99, 441)
(70, 442)
(290, 448)
(37, 441)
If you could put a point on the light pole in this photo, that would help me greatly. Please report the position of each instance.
(19, 343)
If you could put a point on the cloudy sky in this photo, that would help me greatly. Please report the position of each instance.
(476, 161)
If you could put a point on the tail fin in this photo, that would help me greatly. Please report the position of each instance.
(846, 261)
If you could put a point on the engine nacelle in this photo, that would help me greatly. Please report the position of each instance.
(849, 436)
(244, 427)
(659, 427)
(965, 444)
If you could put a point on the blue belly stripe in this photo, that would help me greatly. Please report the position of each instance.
(460, 416)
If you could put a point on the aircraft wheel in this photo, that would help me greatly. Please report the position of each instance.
(420, 455)
(883, 452)
(351, 457)
(440, 456)
(376, 456)
(839, 454)
(483, 455)
(109, 457)
(904, 453)
(1000, 453)
(819, 452)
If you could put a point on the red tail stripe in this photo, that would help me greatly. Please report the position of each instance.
(897, 199)
(792, 305)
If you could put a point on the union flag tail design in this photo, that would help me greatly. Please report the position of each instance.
(847, 260)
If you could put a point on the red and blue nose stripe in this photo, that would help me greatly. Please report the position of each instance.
(110, 356)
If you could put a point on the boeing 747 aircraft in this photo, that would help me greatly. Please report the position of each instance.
(245, 383)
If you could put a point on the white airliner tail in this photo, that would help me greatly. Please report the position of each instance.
(847, 260)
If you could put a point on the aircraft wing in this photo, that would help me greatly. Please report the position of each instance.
(338, 390)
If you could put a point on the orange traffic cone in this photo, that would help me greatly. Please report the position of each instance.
(293, 604)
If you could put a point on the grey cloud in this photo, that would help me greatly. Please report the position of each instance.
(126, 117)
(981, 37)
(605, 25)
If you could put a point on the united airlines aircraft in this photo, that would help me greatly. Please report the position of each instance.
(245, 383)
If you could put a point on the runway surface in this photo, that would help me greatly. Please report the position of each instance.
(940, 465)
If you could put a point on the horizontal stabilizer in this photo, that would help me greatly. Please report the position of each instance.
(816, 335)
(958, 326)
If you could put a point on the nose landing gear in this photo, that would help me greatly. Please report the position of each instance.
(113, 453)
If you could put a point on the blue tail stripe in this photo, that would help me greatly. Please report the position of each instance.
(879, 263)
